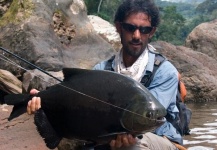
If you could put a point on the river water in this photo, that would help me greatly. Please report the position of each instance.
(203, 127)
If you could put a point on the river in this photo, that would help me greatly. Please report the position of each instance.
(203, 127)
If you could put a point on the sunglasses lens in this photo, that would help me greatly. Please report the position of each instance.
(145, 30)
(133, 28)
(129, 27)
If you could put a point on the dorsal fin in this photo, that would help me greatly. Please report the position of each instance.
(70, 72)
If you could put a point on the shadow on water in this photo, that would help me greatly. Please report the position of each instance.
(203, 127)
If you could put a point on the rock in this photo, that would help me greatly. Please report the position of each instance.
(39, 80)
(59, 36)
(106, 30)
(9, 83)
(198, 71)
(4, 5)
(203, 39)
(67, 144)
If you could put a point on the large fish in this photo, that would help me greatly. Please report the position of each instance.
(92, 105)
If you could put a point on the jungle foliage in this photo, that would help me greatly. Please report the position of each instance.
(177, 19)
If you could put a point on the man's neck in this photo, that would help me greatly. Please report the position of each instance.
(128, 60)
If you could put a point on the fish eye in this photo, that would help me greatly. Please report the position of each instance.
(149, 115)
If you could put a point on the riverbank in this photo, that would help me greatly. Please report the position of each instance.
(20, 133)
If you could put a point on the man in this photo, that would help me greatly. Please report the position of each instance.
(136, 22)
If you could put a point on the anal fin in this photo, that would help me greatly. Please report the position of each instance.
(46, 130)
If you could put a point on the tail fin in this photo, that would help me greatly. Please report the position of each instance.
(19, 101)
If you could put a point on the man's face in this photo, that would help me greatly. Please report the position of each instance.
(134, 40)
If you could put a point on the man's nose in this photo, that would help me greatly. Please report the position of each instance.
(136, 34)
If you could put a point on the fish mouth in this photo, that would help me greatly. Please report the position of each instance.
(161, 120)
(142, 123)
(143, 117)
(153, 116)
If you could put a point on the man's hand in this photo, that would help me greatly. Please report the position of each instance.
(34, 104)
(123, 140)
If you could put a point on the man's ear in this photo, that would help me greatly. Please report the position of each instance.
(151, 34)
(118, 27)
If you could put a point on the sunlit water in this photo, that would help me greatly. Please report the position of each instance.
(203, 127)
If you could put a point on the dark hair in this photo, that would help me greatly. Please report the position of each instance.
(134, 6)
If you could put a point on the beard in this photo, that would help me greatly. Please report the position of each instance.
(133, 51)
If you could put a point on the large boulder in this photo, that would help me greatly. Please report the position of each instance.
(203, 39)
(198, 70)
(53, 35)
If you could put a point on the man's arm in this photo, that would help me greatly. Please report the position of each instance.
(165, 85)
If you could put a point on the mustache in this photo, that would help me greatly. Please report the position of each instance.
(136, 41)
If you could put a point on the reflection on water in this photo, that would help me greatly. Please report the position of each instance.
(203, 127)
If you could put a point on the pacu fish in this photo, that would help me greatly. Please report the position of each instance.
(91, 105)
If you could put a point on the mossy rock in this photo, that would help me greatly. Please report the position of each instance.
(19, 10)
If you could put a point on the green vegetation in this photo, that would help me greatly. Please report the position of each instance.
(102, 8)
(17, 12)
(207, 7)
(177, 19)
(171, 27)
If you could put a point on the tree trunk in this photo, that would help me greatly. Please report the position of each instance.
(100, 3)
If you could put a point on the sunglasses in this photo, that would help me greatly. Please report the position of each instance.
(132, 28)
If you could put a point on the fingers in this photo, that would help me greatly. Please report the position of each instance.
(33, 91)
(123, 140)
(112, 144)
(131, 139)
(118, 141)
(33, 105)
(128, 140)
